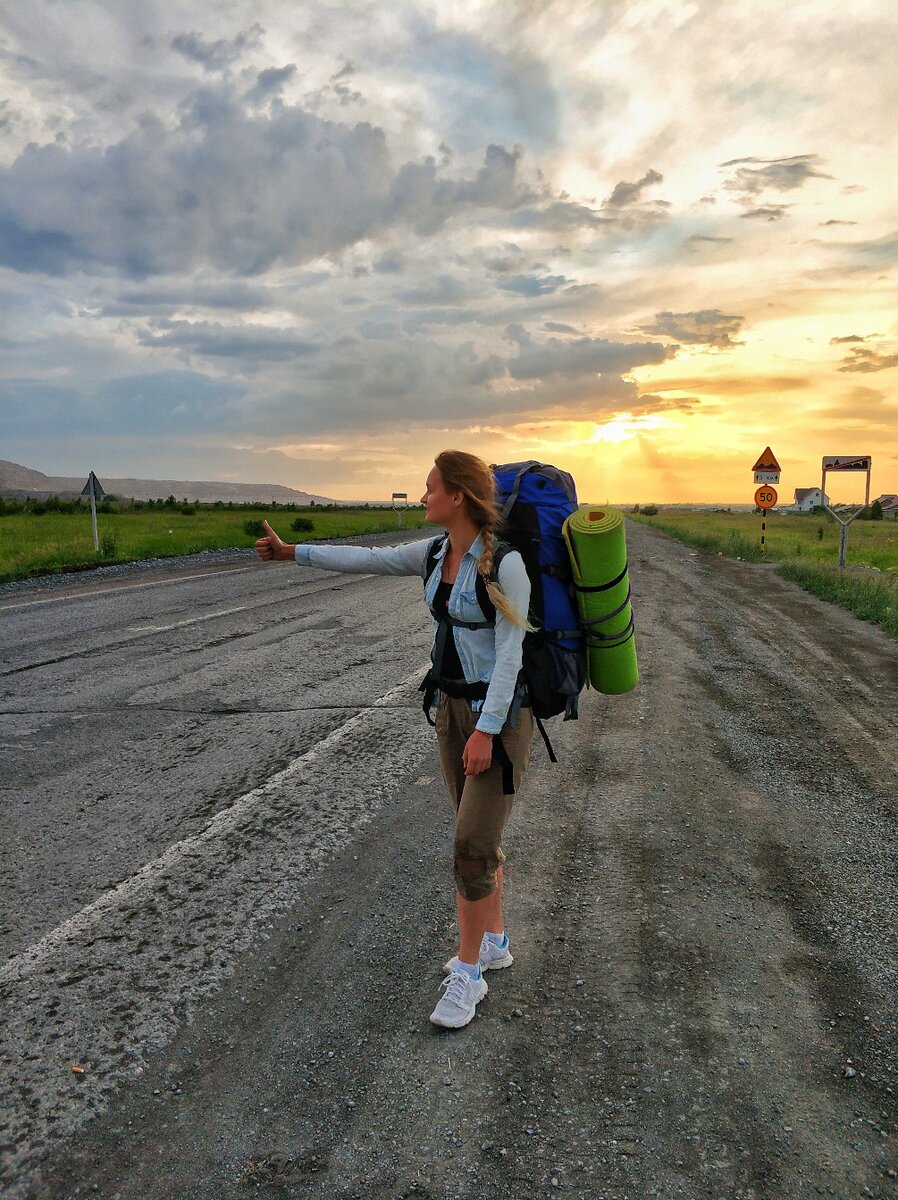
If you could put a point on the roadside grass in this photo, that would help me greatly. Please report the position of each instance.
(805, 549)
(872, 597)
(49, 543)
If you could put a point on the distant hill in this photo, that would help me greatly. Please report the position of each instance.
(18, 482)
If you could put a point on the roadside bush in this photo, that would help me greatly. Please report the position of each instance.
(649, 510)
(108, 545)
(188, 512)
(302, 525)
(254, 528)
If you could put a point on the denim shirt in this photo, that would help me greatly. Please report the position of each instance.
(492, 655)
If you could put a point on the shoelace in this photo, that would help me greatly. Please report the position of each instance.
(456, 984)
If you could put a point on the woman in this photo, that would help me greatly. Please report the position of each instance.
(480, 667)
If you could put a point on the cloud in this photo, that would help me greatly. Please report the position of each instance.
(704, 237)
(767, 212)
(708, 327)
(865, 360)
(778, 174)
(744, 384)
(217, 55)
(229, 189)
(584, 357)
(558, 216)
(628, 193)
(213, 340)
(270, 82)
(834, 341)
(862, 407)
(533, 285)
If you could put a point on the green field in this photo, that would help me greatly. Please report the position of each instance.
(37, 544)
(812, 538)
(806, 550)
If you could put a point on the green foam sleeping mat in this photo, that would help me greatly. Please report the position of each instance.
(596, 542)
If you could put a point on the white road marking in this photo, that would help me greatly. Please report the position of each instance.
(190, 621)
(141, 882)
(126, 587)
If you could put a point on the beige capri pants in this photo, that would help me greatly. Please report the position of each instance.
(481, 808)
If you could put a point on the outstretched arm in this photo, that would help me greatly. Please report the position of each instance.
(406, 559)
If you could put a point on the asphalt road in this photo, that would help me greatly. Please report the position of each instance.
(227, 895)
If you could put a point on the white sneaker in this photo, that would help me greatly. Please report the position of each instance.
(457, 1005)
(491, 957)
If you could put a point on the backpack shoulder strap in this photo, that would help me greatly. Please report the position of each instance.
(432, 552)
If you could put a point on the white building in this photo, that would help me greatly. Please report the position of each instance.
(807, 499)
(889, 502)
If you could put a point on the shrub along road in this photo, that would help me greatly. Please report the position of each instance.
(228, 897)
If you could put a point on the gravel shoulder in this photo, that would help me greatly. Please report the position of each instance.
(700, 897)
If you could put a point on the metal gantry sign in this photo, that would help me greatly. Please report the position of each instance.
(845, 462)
(766, 471)
(94, 489)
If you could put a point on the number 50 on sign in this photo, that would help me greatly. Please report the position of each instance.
(765, 497)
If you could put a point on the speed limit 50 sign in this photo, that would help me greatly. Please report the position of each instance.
(765, 497)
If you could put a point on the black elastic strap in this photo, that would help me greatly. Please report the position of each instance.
(609, 641)
(607, 617)
(539, 725)
(603, 587)
(500, 756)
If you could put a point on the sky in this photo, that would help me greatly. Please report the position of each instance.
(316, 243)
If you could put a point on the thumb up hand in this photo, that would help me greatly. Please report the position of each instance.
(271, 548)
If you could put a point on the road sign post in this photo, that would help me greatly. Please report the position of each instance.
(766, 471)
(400, 503)
(94, 489)
(845, 462)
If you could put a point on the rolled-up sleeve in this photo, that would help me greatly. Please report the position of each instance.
(515, 583)
(406, 559)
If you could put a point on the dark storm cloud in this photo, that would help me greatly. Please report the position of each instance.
(231, 189)
(780, 174)
(708, 327)
(628, 193)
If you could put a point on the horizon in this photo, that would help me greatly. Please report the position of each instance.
(714, 503)
(636, 241)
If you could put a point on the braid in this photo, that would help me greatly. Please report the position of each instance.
(485, 562)
(493, 590)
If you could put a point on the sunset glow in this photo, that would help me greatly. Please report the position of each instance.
(315, 244)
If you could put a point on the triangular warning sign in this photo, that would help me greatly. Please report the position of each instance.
(93, 487)
(767, 462)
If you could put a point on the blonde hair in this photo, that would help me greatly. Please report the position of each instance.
(470, 475)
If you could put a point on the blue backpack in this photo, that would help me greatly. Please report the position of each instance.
(535, 499)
